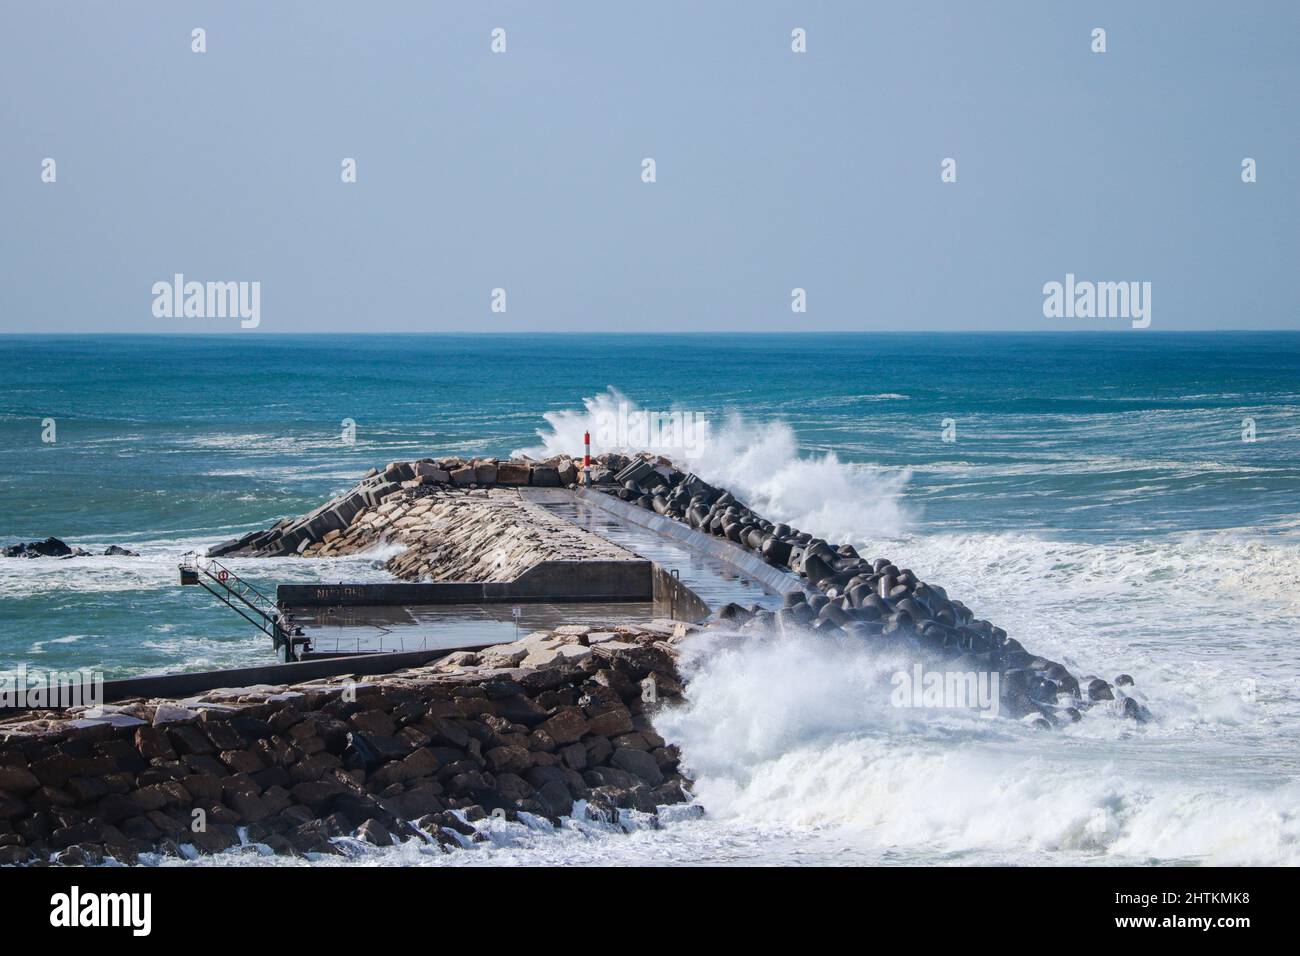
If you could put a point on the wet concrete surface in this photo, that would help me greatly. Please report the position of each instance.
(360, 629)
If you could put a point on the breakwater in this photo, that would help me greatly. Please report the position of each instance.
(875, 601)
(557, 723)
(840, 591)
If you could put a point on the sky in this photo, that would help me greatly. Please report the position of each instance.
(523, 170)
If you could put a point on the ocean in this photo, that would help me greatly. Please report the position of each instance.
(1120, 502)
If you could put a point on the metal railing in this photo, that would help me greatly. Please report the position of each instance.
(248, 602)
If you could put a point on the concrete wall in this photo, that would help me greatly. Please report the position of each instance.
(675, 600)
(558, 581)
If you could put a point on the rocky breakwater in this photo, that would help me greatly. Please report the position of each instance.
(875, 601)
(456, 521)
(424, 504)
(558, 723)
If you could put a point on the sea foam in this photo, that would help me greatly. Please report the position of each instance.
(759, 462)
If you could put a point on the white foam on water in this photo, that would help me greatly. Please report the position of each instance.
(796, 731)
(784, 736)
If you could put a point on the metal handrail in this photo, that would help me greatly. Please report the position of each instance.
(275, 622)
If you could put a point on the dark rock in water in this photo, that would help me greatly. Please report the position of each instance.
(49, 548)
(815, 569)
(795, 597)
(894, 630)
(826, 626)
(1037, 721)
(1130, 708)
(371, 831)
(914, 608)
(637, 471)
(864, 629)
(834, 613)
(1123, 680)
(1098, 689)
(1064, 680)
(802, 613)
(732, 612)
(775, 550)
(867, 612)
(1043, 689)
(638, 763)
(114, 551)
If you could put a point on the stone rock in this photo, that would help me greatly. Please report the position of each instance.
(1098, 689)
(545, 476)
(556, 797)
(373, 832)
(512, 473)
(49, 548)
(173, 714)
(18, 780)
(611, 723)
(186, 739)
(11, 807)
(566, 726)
(574, 757)
(639, 763)
(250, 807)
(508, 759)
(431, 473)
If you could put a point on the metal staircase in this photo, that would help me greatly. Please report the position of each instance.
(249, 603)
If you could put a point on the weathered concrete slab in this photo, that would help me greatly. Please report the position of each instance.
(566, 581)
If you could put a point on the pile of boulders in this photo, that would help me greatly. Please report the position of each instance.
(402, 481)
(556, 724)
(875, 600)
(54, 548)
(449, 533)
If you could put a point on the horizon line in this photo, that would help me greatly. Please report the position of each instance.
(238, 333)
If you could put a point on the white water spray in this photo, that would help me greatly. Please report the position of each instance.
(760, 463)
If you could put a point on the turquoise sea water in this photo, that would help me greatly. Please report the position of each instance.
(1098, 501)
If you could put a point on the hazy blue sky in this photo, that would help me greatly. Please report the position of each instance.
(522, 170)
